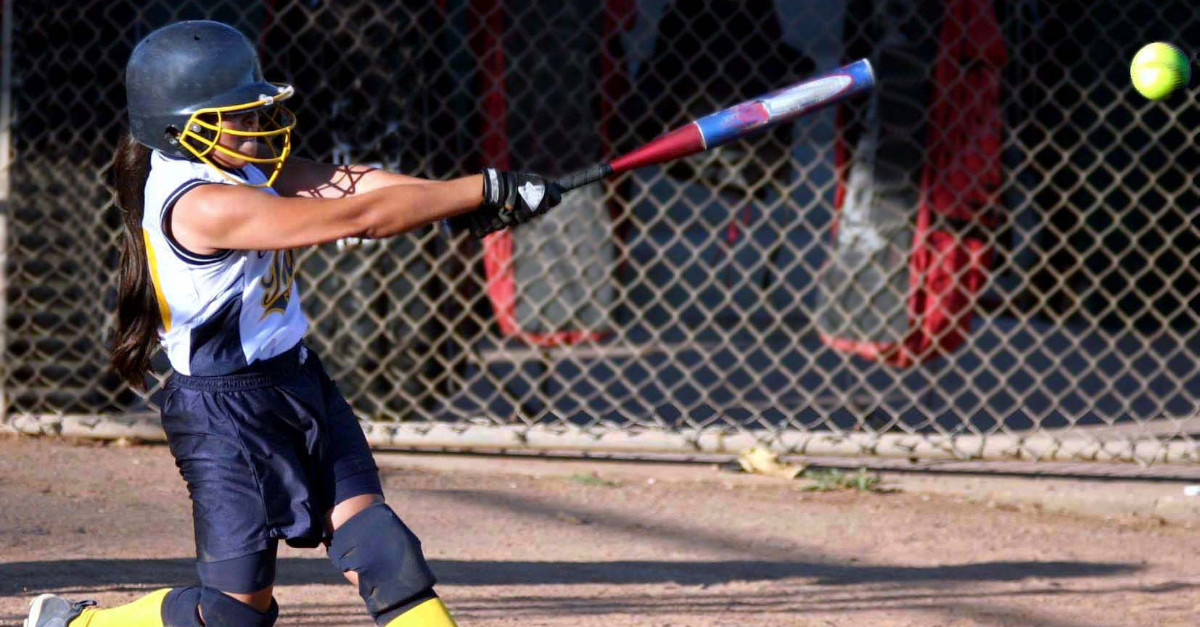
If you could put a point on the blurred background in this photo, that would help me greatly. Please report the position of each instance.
(992, 256)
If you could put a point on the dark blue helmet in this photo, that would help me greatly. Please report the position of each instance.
(182, 80)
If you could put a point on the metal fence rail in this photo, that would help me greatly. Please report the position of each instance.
(992, 257)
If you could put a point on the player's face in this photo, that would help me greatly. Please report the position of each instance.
(245, 145)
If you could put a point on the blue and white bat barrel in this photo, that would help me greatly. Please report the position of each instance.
(786, 104)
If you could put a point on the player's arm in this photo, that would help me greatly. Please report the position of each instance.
(304, 177)
(217, 217)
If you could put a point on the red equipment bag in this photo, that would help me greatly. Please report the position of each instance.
(551, 282)
(901, 285)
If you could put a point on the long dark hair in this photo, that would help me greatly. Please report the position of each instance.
(137, 307)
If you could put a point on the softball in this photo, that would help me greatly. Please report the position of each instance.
(1159, 69)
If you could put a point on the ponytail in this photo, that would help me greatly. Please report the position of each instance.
(137, 307)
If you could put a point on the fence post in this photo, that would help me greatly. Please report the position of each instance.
(5, 164)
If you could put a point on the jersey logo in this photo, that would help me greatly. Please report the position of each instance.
(277, 284)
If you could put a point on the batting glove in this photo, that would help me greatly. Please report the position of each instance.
(509, 199)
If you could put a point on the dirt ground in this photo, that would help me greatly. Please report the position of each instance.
(111, 523)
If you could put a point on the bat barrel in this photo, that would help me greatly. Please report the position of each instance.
(737, 121)
(786, 104)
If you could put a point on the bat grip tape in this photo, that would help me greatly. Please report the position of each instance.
(590, 174)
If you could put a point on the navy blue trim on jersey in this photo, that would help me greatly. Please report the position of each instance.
(264, 373)
(187, 256)
(216, 344)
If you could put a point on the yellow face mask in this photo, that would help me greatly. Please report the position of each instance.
(202, 134)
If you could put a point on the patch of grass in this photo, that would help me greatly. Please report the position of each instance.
(830, 480)
(593, 480)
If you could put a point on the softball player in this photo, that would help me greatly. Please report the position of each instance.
(268, 447)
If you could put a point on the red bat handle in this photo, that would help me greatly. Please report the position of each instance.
(681, 142)
(678, 143)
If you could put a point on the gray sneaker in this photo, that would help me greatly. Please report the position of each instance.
(51, 611)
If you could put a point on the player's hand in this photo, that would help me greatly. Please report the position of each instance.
(509, 199)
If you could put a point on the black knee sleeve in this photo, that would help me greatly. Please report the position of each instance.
(179, 608)
(246, 574)
(392, 572)
(182, 608)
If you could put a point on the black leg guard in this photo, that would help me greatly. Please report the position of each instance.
(221, 610)
(392, 573)
(182, 608)
(179, 608)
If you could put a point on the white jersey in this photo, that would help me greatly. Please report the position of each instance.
(224, 311)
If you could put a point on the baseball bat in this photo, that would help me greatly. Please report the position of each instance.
(740, 120)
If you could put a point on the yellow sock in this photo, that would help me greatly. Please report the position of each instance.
(431, 613)
(144, 612)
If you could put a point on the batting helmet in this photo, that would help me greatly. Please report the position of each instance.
(182, 80)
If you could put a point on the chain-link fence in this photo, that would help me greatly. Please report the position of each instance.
(992, 256)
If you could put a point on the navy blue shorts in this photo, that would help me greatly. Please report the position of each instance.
(266, 453)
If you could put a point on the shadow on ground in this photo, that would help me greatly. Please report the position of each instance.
(22, 578)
